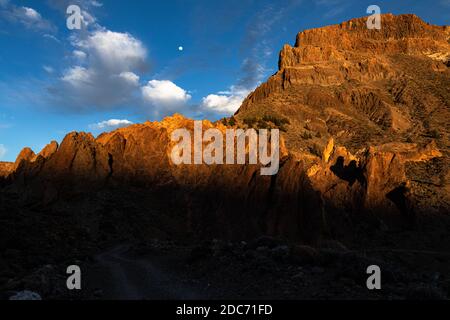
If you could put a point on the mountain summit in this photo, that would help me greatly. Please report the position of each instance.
(362, 87)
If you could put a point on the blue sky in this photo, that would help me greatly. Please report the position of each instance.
(126, 65)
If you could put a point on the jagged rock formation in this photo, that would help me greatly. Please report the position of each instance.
(291, 204)
(6, 168)
(355, 100)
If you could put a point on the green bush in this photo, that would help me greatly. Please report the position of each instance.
(277, 121)
(306, 135)
(250, 121)
(435, 134)
(263, 125)
(315, 150)
(267, 122)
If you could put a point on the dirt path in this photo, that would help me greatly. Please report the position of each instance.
(119, 275)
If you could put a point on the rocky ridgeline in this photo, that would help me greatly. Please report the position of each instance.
(291, 204)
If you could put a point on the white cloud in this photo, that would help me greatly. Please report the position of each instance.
(221, 103)
(165, 94)
(80, 55)
(332, 7)
(105, 75)
(130, 77)
(88, 19)
(227, 102)
(85, 89)
(26, 16)
(3, 151)
(78, 76)
(110, 124)
(31, 13)
(114, 51)
(96, 3)
(48, 69)
(52, 37)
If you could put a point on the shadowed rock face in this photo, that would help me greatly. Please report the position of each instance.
(229, 201)
(356, 100)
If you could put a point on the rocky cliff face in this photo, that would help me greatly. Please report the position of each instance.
(381, 94)
(366, 133)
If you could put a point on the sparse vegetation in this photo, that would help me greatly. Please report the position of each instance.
(263, 124)
(279, 122)
(315, 150)
(250, 121)
(435, 134)
(267, 122)
(229, 122)
(306, 135)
